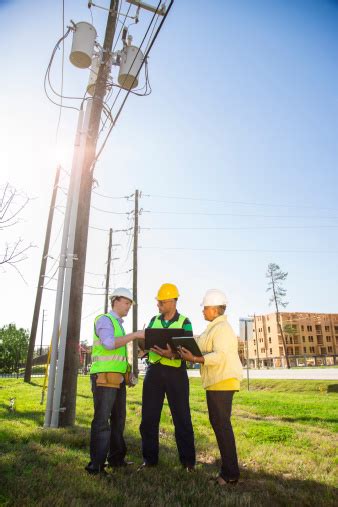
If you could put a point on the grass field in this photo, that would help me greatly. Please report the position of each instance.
(286, 433)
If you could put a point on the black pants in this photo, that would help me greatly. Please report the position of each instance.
(160, 381)
(219, 408)
(106, 437)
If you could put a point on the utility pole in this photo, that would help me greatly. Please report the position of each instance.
(69, 385)
(256, 341)
(135, 306)
(42, 323)
(36, 314)
(108, 271)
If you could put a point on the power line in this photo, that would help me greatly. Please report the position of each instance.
(244, 228)
(236, 250)
(242, 203)
(201, 213)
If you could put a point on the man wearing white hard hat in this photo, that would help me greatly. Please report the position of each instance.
(109, 372)
(221, 373)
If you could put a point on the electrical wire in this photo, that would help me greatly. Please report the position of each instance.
(111, 212)
(128, 92)
(237, 215)
(235, 250)
(62, 67)
(241, 203)
(244, 228)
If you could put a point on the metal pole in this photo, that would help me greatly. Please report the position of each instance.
(43, 320)
(59, 290)
(69, 266)
(135, 306)
(247, 353)
(29, 361)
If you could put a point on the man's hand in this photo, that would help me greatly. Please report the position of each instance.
(186, 354)
(139, 335)
(168, 352)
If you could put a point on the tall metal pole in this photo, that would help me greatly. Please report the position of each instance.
(42, 323)
(256, 341)
(247, 353)
(32, 338)
(68, 273)
(108, 271)
(135, 306)
(69, 386)
(60, 282)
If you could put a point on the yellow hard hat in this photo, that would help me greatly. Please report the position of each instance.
(167, 291)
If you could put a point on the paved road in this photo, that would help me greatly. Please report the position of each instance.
(295, 374)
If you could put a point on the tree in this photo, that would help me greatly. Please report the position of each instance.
(276, 276)
(13, 348)
(12, 203)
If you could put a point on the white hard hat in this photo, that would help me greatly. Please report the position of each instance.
(122, 292)
(214, 297)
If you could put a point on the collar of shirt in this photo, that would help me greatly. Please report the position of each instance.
(174, 319)
(114, 314)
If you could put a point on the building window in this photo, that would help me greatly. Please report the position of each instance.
(271, 350)
(304, 350)
(329, 349)
(290, 339)
(269, 339)
(310, 338)
(309, 328)
(254, 342)
(327, 328)
(320, 339)
(336, 328)
(281, 351)
(312, 350)
(268, 329)
(295, 339)
(303, 338)
(297, 351)
(328, 338)
(262, 350)
(302, 328)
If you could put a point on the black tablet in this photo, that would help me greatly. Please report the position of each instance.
(160, 337)
(189, 343)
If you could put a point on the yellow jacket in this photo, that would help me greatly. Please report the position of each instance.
(219, 347)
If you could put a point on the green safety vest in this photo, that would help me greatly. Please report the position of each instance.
(156, 358)
(104, 360)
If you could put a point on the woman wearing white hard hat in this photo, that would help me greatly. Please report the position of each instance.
(221, 372)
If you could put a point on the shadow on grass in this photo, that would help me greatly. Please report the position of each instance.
(35, 473)
(332, 388)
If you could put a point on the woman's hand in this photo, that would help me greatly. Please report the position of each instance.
(186, 354)
(139, 335)
(168, 352)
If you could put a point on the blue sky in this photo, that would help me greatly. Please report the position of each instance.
(235, 152)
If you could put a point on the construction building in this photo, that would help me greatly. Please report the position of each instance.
(311, 340)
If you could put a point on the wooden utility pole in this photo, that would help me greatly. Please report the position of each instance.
(108, 271)
(256, 341)
(135, 306)
(36, 314)
(69, 385)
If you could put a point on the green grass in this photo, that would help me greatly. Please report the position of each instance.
(286, 433)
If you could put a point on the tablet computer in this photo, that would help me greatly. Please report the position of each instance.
(188, 342)
(160, 337)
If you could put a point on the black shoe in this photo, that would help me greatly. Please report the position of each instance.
(96, 471)
(145, 465)
(121, 464)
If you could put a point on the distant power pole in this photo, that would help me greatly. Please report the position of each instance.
(108, 271)
(135, 306)
(36, 314)
(69, 385)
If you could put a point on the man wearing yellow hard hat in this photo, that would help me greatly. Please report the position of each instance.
(167, 376)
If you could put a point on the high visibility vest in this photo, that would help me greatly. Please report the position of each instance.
(156, 358)
(104, 360)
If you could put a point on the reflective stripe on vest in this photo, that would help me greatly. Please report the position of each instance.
(104, 360)
(156, 358)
